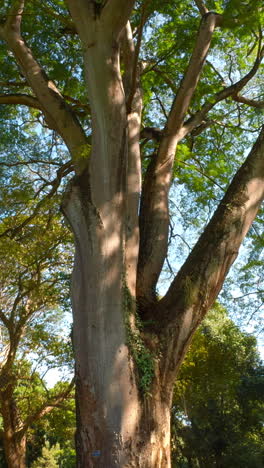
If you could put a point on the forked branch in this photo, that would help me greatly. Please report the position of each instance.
(154, 211)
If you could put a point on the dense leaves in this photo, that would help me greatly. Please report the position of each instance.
(218, 408)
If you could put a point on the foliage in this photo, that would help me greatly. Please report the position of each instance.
(49, 458)
(34, 328)
(56, 428)
(218, 410)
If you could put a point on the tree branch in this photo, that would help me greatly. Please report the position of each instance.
(4, 319)
(201, 7)
(127, 57)
(15, 84)
(154, 211)
(135, 71)
(248, 102)
(166, 79)
(47, 407)
(230, 91)
(189, 83)
(134, 107)
(57, 113)
(201, 277)
(115, 15)
(22, 99)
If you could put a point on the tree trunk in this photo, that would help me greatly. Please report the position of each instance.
(139, 436)
(14, 439)
(118, 424)
(15, 451)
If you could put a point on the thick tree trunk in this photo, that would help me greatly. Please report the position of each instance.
(117, 426)
(106, 393)
(145, 442)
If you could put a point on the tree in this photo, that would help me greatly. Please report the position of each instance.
(216, 420)
(56, 427)
(140, 64)
(49, 458)
(34, 271)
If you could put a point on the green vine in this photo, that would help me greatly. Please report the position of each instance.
(143, 357)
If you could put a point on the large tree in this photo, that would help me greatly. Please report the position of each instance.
(140, 63)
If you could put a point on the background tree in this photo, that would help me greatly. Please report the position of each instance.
(56, 427)
(49, 457)
(157, 76)
(217, 416)
(34, 337)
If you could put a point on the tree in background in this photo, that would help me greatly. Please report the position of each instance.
(56, 427)
(49, 457)
(33, 333)
(218, 411)
(174, 94)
